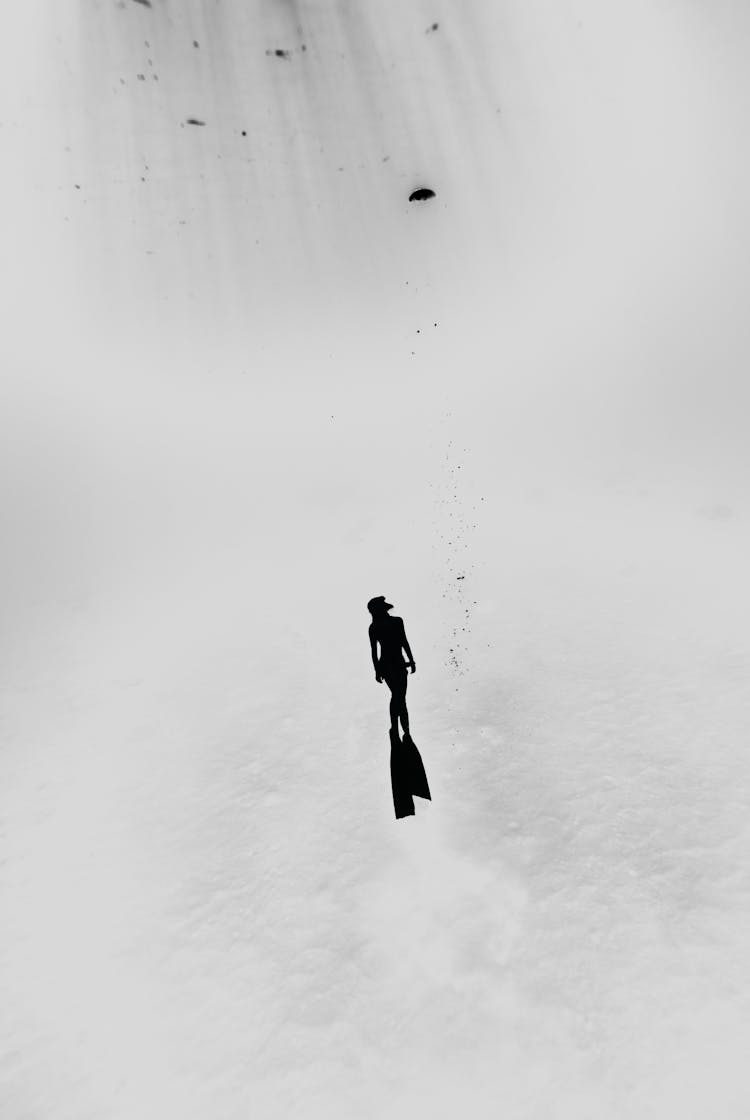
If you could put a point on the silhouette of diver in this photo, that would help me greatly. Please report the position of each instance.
(389, 633)
(408, 778)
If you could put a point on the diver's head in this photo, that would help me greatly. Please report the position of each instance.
(378, 606)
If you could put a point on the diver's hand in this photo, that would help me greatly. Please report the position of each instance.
(412, 666)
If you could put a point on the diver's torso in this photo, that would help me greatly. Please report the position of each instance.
(389, 633)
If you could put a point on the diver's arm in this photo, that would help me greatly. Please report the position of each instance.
(374, 651)
(405, 644)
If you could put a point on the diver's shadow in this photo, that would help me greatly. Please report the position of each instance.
(408, 778)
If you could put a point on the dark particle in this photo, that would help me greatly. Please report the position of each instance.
(196, 43)
(194, 120)
(421, 194)
(244, 133)
(278, 53)
(432, 27)
(146, 3)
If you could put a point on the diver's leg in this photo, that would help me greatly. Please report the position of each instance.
(404, 718)
(394, 705)
(394, 710)
(403, 712)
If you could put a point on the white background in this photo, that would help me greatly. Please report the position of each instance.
(246, 386)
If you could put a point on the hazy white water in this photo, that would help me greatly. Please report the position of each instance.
(220, 438)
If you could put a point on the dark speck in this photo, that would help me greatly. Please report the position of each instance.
(146, 3)
(244, 133)
(196, 43)
(194, 120)
(421, 194)
(278, 53)
(432, 27)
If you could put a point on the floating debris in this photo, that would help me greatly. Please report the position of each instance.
(194, 120)
(146, 3)
(278, 53)
(421, 194)
(432, 27)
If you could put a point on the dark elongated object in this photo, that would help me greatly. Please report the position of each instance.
(408, 778)
(421, 194)
(415, 769)
(403, 802)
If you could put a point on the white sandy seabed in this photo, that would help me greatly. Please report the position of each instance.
(246, 386)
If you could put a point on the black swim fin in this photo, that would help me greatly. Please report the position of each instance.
(417, 777)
